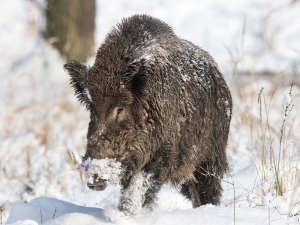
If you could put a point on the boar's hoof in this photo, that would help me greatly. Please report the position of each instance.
(97, 185)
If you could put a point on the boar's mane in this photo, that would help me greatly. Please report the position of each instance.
(121, 57)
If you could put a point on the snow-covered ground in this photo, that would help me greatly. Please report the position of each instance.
(43, 127)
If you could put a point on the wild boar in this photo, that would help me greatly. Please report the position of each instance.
(160, 107)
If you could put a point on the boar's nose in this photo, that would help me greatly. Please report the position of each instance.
(97, 185)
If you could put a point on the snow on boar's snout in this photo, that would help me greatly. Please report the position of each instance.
(99, 173)
(160, 112)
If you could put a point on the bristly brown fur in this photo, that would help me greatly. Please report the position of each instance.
(160, 106)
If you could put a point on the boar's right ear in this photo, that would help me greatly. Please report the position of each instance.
(79, 78)
(136, 79)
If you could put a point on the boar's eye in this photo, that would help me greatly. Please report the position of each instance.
(118, 114)
(120, 109)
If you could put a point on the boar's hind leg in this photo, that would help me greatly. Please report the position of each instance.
(208, 186)
(190, 190)
(206, 189)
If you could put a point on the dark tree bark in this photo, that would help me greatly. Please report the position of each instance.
(71, 27)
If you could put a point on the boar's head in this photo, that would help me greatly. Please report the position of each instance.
(118, 115)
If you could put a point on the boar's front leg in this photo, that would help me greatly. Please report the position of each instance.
(130, 165)
(140, 190)
(132, 161)
(133, 195)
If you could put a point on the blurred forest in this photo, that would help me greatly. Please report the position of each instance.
(70, 27)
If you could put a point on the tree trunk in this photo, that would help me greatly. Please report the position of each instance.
(71, 26)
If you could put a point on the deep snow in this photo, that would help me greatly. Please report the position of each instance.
(45, 210)
(40, 143)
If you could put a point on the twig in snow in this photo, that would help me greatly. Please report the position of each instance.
(54, 213)
(41, 215)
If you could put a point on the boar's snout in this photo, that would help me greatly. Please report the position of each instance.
(98, 184)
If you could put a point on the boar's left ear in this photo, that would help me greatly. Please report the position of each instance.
(79, 78)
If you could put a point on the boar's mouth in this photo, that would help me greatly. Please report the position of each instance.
(98, 185)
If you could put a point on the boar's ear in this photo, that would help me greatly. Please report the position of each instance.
(135, 79)
(79, 77)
